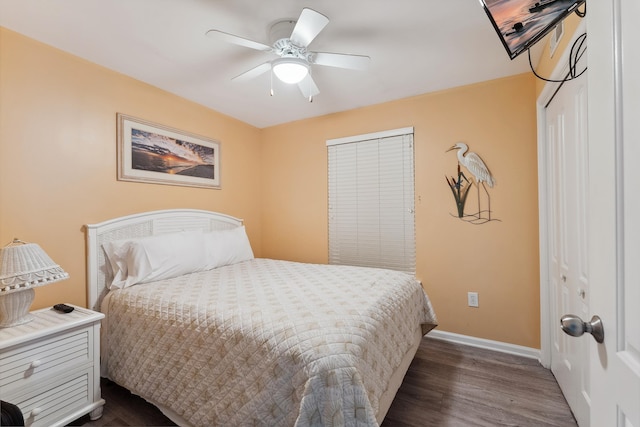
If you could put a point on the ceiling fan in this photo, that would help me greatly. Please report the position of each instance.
(290, 40)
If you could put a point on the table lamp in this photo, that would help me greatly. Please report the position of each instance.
(23, 266)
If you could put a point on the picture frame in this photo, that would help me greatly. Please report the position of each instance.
(157, 154)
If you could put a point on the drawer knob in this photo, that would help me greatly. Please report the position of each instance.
(35, 363)
(36, 411)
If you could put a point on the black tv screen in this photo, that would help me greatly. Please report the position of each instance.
(522, 23)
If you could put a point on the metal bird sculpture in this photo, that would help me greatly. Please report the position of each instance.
(474, 164)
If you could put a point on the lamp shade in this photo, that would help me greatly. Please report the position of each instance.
(290, 70)
(26, 265)
(23, 266)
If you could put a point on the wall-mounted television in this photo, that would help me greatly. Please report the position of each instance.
(522, 23)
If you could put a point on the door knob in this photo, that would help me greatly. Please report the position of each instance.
(574, 326)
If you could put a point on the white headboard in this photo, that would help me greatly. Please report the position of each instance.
(141, 225)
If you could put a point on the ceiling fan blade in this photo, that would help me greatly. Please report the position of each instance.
(341, 60)
(230, 38)
(309, 25)
(254, 72)
(308, 87)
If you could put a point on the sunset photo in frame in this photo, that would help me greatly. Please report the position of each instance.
(152, 153)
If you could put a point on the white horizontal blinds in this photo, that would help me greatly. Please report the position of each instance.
(371, 201)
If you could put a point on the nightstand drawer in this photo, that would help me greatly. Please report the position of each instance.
(50, 367)
(55, 399)
(49, 356)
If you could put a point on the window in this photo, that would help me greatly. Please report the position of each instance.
(371, 200)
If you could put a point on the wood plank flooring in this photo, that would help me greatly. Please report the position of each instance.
(455, 385)
(446, 385)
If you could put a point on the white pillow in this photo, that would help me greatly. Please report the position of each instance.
(116, 253)
(155, 258)
(226, 247)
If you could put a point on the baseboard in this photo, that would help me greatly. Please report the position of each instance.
(518, 350)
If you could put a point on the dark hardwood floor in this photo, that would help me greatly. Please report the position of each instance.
(455, 385)
(446, 385)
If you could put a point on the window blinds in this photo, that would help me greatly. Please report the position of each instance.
(371, 200)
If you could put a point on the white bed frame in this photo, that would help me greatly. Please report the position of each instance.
(172, 221)
(141, 225)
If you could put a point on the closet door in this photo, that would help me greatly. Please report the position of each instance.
(568, 219)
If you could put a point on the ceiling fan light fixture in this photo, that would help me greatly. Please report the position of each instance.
(290, 70)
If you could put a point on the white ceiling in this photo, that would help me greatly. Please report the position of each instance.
(416, 47)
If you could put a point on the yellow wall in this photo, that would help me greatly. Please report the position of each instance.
(58, 172)
(58, 155)
(498, 259)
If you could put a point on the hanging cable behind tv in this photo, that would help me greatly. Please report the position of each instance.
(578, 49)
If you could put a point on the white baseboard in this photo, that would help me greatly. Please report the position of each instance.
(518, 350)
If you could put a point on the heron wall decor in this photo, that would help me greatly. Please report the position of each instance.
(460, 186)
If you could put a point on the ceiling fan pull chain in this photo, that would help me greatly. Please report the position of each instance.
(271, 79)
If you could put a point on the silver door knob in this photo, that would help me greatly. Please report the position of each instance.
(574, 326)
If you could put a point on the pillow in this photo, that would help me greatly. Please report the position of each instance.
(155, 258)
(115, 260)
(226, 247)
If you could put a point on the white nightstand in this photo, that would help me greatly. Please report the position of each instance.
(50, 367)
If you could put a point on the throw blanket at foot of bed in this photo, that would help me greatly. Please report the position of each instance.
(265, 342)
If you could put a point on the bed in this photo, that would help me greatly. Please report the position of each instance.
(250, 341)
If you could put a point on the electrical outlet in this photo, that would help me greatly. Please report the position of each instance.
(472, 299)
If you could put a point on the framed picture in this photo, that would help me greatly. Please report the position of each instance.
(148, 152)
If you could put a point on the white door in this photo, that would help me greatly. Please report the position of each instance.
(567, 189)
(614, 205)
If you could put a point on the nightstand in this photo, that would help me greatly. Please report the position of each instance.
(50, 367)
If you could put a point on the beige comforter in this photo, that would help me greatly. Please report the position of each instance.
(265, 342)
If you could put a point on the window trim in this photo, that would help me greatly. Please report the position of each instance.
(368, 136)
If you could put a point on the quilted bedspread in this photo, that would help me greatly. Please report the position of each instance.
(265, 342)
